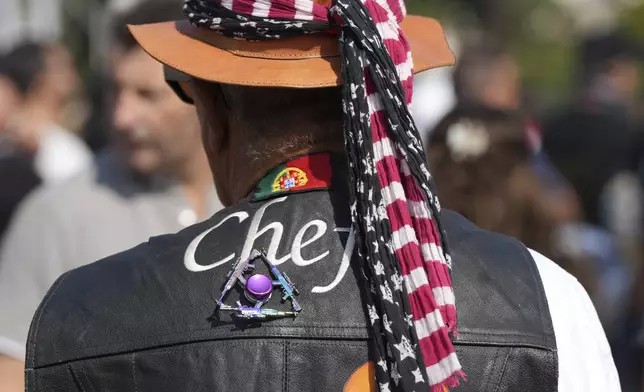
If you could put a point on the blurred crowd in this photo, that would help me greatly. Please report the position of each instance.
(567, 182)
(90, 169)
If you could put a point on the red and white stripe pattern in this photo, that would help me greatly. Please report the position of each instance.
(415, 236)
(425, 271)
(306, 9)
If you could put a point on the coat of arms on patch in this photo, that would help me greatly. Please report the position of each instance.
(289, 178)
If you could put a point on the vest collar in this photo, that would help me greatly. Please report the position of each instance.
(301, 174)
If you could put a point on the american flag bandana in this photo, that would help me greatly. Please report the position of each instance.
(394, 209)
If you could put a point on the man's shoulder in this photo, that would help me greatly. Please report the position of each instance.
(494, 274)
(463, 232)
(86, 306)
(82, 296)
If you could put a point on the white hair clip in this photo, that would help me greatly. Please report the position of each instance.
(467, 140)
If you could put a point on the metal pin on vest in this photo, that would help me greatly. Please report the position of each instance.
(258, 289)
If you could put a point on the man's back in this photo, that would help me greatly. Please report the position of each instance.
(143, 320)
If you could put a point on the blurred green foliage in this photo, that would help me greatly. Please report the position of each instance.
(633, 21)
(537, 32)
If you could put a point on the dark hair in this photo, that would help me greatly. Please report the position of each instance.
(473, 67)
(497, 190)
(598, 53)
(150, 11)
(23, 65)
(589, 149)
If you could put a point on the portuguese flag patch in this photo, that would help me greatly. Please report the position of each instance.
(300, 174)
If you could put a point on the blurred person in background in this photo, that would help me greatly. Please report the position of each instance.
(17, 174)
(154, 180)
(487, 75)
(45, 77)
(589, 141)
(9, 94)
(482, 168)
(487, 79)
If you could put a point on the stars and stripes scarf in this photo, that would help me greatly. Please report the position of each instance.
(394, 209)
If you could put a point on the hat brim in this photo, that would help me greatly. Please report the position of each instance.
(301, 62)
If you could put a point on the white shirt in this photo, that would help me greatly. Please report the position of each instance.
(585, 360)
(61, 155)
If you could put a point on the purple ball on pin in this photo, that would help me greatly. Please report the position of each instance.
(259, 286)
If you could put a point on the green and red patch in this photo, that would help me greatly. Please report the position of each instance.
(302, 174)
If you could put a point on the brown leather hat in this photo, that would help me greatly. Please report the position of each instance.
(304, 62)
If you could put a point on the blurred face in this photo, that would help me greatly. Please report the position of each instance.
(60, 75)
(501, 90)
(9, 100)
(155, 131)
(624, 78)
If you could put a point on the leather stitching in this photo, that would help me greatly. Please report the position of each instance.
(285, 371)
(505, 367)
(554, 363)
(239, 341)
(308, 343)
(246, 342)
(539, 284)
(227, 336)
(178, 347)
(136, 387)
(511, 343)
(488, 378)
(306, 47)
(476, 331)
(89, 383)
(74, 378)
(40, 311)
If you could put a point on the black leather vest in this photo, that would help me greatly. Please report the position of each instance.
(141, 320)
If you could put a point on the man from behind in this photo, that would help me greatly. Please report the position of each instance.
(154, 180)
(351, 239)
